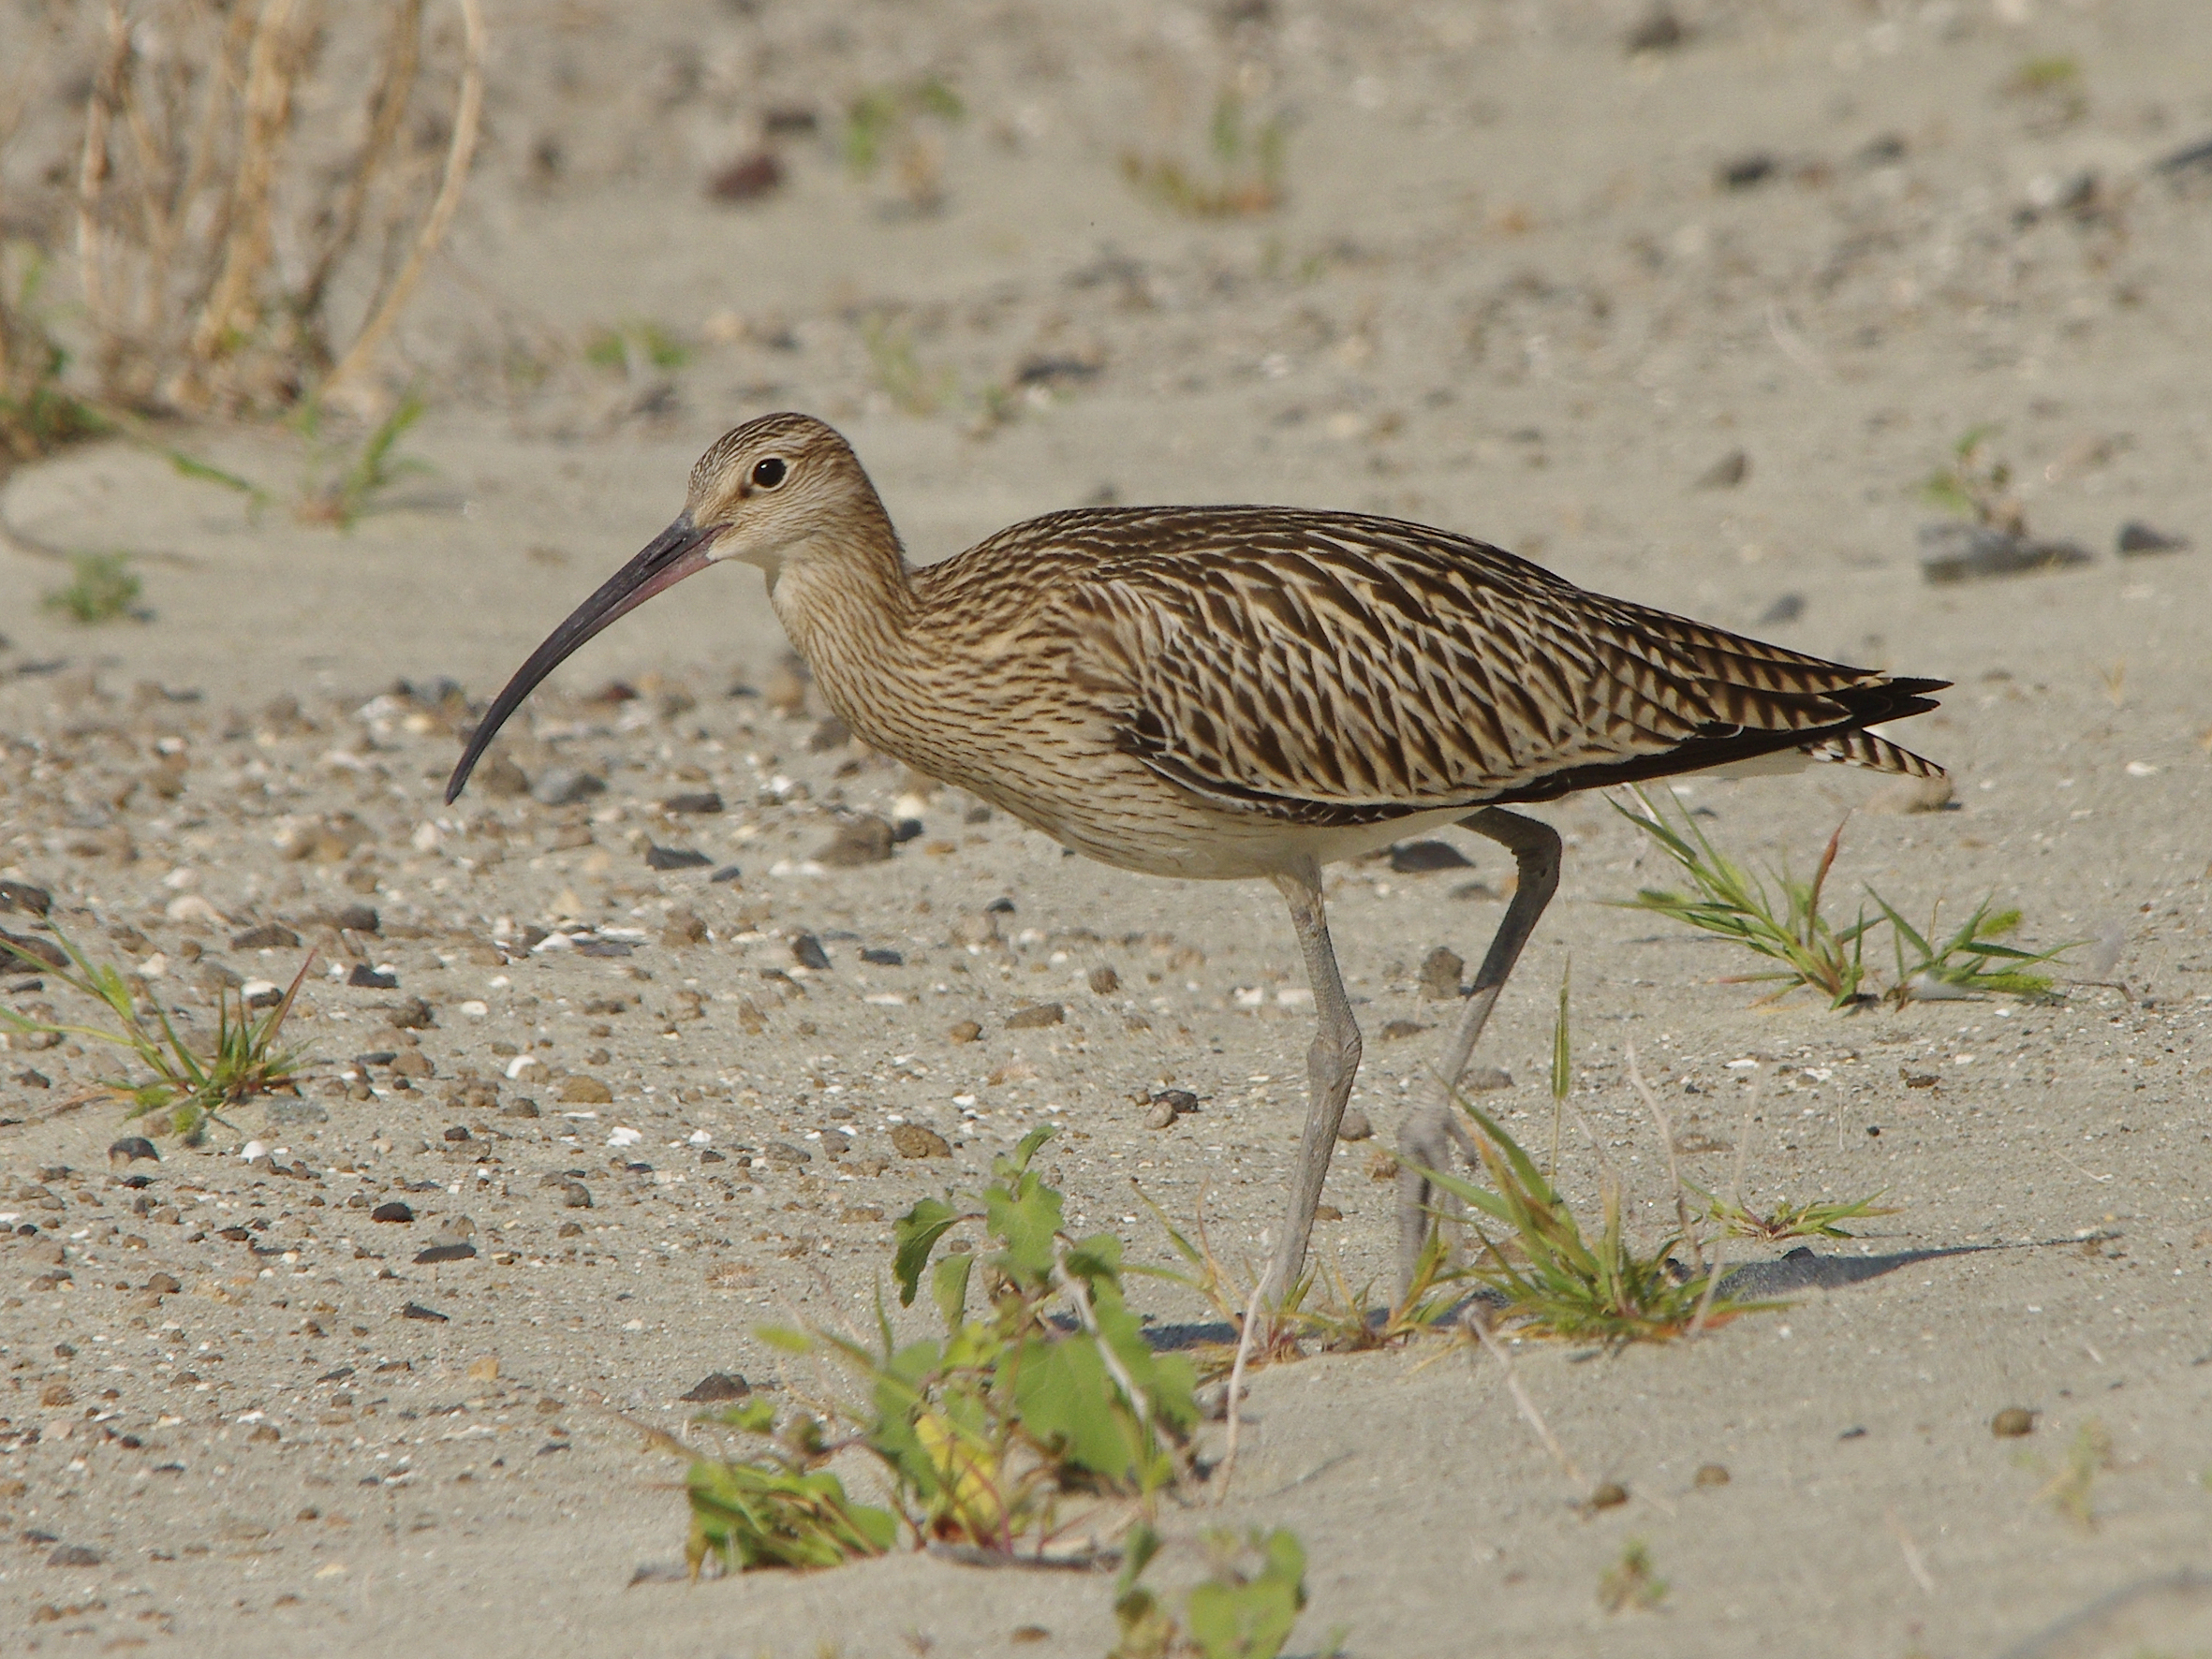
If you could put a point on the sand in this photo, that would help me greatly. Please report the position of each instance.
(1510, 292)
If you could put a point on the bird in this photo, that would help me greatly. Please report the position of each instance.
(1232, 693)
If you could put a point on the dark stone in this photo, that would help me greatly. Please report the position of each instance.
(716, 1385)
(357, 919)
(1661, 30)
(728, 872)
(417, 1311)
(268, 936)
(1727, 473)
(1418, 857)
(16, 949)
(412, 1015)
(1439, 974)
(704, 800)
(1955, 552)
(74, 1555)
(602, 947)
(1178, 1101)
(2137, 537)
(365, 977)
(883, 959)
(456, 1133)
(565, 786)
(808, 951)
(438, 1253)
(1745, 171)
(999, 907)
(392, 1211)
(864, 839)
(1037, 1016)
(21, 895)
(675, 857)
(132, 1147)
(749, 178)
(1787, 608)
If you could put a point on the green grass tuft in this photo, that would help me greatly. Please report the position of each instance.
(1973, 960)
(190, 1086)
(102, 588)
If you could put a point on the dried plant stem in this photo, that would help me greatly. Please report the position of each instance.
(91, 173)
(272, 66)
(1534, 1419)
(1666, 1129)
(467, 113)
(388, 108)
(1236, 1387)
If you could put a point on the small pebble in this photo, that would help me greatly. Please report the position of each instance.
(911, 1140)
(1104, 981)
(394, 1211)
(808, 951)
(964, 1031)
(864, 839)
(130, 1149)
(1419, 857)
(1355, 1126)
(1610, 1495)
(2012, 1422)
(1439, 974)
(1036, 1017)
(674, 858)
(580, 1089)
(2137, 538)
(1182, 1100)
(1160, 1115)
(1710, 1474)
(716, 1385)
(417, 1311)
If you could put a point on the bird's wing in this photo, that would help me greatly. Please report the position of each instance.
(1332, 668)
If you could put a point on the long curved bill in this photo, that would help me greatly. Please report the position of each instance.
(678, 552)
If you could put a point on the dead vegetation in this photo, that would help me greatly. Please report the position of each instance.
(232, 262)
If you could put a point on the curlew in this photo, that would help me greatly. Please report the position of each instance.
(1237, 692)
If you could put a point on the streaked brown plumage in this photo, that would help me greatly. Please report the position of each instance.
(1241, 691)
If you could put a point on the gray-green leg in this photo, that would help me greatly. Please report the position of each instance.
(1428, 1131)
(1331, 1065)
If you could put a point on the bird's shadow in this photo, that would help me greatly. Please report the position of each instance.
(1802, 1269)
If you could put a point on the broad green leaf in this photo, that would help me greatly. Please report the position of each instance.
(915, 1235)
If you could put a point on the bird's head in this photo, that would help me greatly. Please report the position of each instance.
(764, 493)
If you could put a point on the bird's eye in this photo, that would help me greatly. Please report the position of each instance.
(768, 474)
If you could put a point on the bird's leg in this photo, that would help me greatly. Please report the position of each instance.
(1330, 1064)
(1427, 1132)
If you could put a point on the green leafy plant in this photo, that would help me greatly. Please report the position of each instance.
(1629, 1584)
(1246, 168)
(343, 497)
(987, 1431)
(622, 348)
(1732, 902)
(39, 413)
(1557, 1281)
(777, 1509)
(190, 1086)
(102, 587)
(912, 389)
(881, 116)
(1821, 1219)
(1973, 960)
(1972, 482)
(2068, 1490)
(1243, 1609)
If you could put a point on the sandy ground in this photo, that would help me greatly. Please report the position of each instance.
(1509, 292)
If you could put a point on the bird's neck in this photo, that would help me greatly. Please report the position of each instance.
(845, 599)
